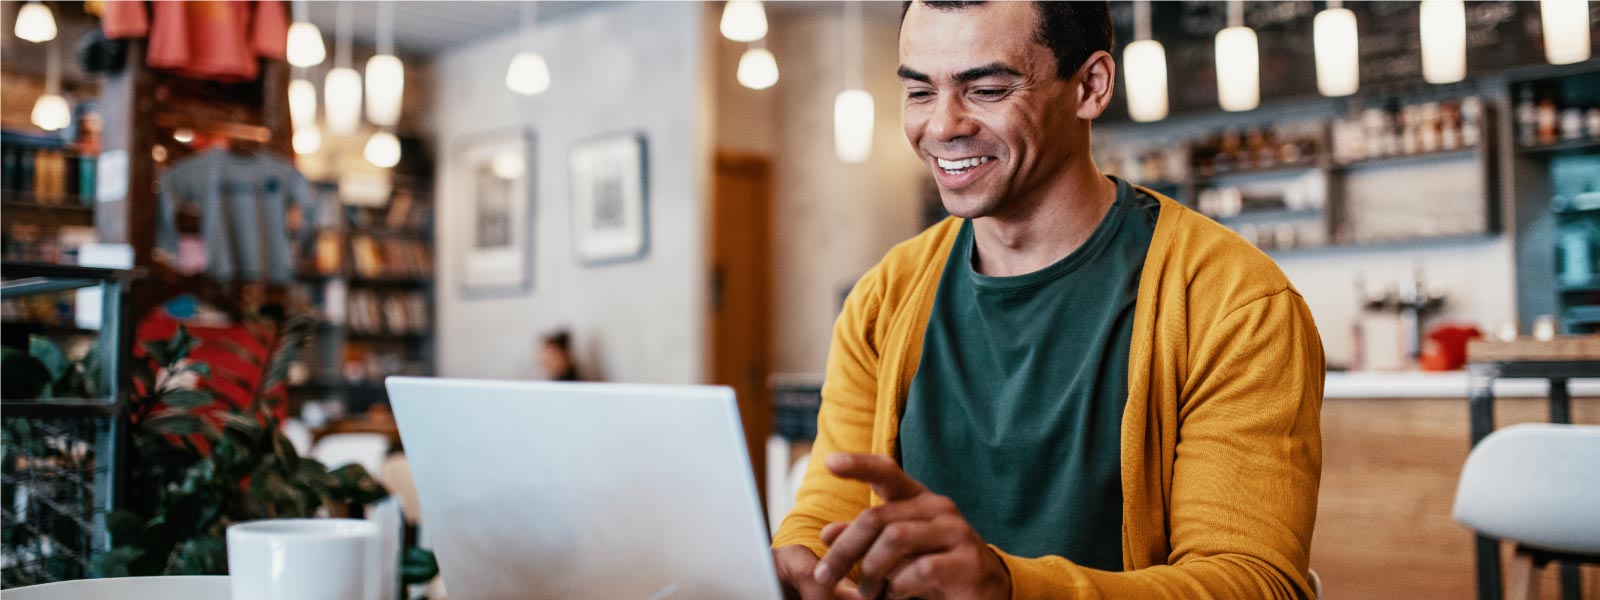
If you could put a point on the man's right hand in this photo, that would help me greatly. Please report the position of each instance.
(795, 567)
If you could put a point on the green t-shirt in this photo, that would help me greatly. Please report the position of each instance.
(1015, 412)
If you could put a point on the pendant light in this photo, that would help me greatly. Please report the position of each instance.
(307, 140)
(1566, 30)
(386, 75)
(341, 90)
(744, 20)
(1145, 69)
(35, 23)
(382, 150)
(304, 47)
(852, 108)
(1238, 63)
(758, 69)
(50, 111)
(1444, 41)
(1338, 50)
(303, 116)
(527, 74)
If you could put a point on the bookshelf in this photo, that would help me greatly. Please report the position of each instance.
(369, 271)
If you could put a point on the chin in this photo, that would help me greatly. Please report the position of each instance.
(968, 206)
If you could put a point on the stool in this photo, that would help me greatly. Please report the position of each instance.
(1535, 485)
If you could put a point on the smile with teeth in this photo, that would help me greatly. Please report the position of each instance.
(960, 166)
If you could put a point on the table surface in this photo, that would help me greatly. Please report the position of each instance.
(210, 587)
(1446, 384)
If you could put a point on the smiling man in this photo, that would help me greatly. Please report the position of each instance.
(1072, 388)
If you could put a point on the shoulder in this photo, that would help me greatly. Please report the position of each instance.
(910, 264)
(1219, 271)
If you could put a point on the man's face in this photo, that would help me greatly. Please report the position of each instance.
(985, 109)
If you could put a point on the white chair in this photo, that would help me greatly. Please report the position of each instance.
(1537, 486)
(365, 449)
(121, 588)
(299, 435)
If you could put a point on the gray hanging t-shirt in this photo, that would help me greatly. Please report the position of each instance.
(244, 201)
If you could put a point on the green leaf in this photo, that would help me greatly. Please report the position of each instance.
(42, 348)
(176, 424)
(357, 486)
(284, 450)
(199, 555)
(180, 345)
(23, 377)
(186, 399)
(124, 526)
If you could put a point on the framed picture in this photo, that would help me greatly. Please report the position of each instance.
(609, 210)
(496, 184)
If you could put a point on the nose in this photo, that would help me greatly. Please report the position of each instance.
(950, 120)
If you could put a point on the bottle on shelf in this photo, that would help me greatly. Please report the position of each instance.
(1527, 117)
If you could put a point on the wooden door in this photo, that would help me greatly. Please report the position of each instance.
(741, 293)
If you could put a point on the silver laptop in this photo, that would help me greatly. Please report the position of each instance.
(584, 490)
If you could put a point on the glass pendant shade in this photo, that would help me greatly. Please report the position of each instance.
(1338, 52)
(302, 103)
(305, 48)
(1144, 65)
(1444, 41)
(386, 79)
(342, 94)
(382, 150)
(1566, 30)
(51, 112)
(528, 75)
(35, 23)
(758, 69)
(744, 20)
(307, 139)
(1238, 69)
(852, 126)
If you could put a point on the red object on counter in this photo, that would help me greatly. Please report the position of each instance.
(1445, 348)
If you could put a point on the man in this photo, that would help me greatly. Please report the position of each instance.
(1074, 388)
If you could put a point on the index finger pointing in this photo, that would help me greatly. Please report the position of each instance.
(886, 478)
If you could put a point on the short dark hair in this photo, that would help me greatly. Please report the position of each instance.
(559, 339)
(1071, 30)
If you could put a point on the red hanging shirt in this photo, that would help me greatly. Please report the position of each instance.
(203, 39)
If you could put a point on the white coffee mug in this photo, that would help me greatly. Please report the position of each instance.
(304, 559)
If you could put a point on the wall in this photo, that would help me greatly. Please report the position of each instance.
(832, 221)
(635, 67)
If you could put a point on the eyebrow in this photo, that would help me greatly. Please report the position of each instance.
(967, 76)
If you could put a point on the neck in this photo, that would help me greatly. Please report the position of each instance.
(1039, 232)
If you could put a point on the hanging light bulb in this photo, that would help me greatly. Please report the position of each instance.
(1145, 69)
(302, 102)
(744, 20)
(341, 89)
(1238, 63)
(758, 69)
(50, 111)
(1338, 51)
(1566, 30)
(1444, 41)
(386, 75)
(527, 74)
(307, 140)
(852, 108)
(386, 78)
(342, 93)
(382, 150)
(35, 23)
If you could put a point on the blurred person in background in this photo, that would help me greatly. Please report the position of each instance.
(555, 356)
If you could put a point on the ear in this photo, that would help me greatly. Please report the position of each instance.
(1096, 79)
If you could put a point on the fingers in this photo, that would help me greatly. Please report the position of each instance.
(794, 565)
(920, 577)
(881, 472)
(852, 542)
(831, 531)
(900, 543)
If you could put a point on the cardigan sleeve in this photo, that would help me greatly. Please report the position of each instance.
(844, 423)
(1244, 482)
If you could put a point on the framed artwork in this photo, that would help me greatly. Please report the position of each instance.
(496, 183)
(609, 205)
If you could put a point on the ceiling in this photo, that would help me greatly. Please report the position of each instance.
(428, 28)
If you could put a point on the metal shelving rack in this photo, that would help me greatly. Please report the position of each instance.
(63, 456)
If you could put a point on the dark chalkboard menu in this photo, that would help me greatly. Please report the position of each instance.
(1500, 35)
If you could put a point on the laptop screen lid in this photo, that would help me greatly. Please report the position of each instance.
(584, 490)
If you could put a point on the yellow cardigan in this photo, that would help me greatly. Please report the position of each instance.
(1221, 447)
